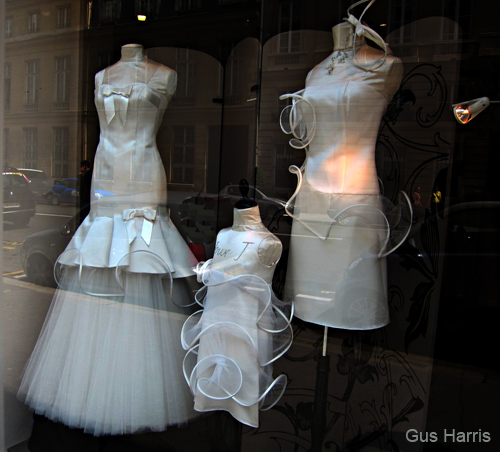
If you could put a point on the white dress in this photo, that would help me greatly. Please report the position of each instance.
(243, 327)
(108, 358)
(342, 226)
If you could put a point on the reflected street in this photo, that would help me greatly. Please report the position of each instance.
(47, 217)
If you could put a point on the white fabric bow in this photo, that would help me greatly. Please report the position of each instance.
(149, 216)
(367, 32)
(110, 92)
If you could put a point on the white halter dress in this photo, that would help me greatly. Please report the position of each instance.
(343, 228)
(243, 327)
(108, 359)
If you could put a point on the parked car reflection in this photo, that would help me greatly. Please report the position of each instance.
(66, 191)
(18, 201)
(40, 251)
(39, 183)
(198, 218)
(203, 215)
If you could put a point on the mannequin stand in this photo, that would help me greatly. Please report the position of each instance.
(320, 395)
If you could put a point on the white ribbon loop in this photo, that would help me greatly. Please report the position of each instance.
(292, 120)
(149, 216)
(113, 97)
(365, 30)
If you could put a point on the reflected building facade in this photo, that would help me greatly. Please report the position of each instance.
(42, 86)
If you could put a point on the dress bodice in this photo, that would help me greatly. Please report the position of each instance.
(247, 247)
(131, 99)
(124, 107)
(348, 104)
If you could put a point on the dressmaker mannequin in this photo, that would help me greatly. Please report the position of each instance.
(108, 359)
(336, 269)
(243, 328)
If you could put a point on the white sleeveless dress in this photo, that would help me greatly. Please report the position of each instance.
(343, 228)
(108, 359)
(243, 327)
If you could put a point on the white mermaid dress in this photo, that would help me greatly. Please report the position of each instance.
(108, 358)
(343, 228)
(243, 327)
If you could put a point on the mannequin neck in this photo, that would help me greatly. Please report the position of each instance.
(244, 219)
(132, 53)
(344, 37)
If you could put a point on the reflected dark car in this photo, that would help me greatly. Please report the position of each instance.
(40, 184)
(18, 201)
(66, 191)
(203, 215)
(40, 251)
(268, 205)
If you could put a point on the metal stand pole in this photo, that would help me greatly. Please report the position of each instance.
(321, 393)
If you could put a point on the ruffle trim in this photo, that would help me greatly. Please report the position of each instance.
(119, 239)
(117, 288)
(219, 377)
(393, 218)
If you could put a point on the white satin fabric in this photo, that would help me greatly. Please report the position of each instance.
(242, 329)
(108, 359)
(342, 227)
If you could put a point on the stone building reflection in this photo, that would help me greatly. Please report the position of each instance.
(42, 86)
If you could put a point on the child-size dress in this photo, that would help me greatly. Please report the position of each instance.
(108, 358)
(243, 328)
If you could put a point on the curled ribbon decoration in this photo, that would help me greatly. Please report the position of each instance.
(364, 30)
(110, 94)
(292, 120)
(149, 216)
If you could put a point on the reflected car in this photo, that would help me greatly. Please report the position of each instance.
(39, 183)
(19, 203)
(268, 205)
(40, 251)
(65, 191)
(203, 215)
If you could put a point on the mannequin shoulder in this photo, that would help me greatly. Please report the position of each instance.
(393, 69)
(269, 250)
(99, 77)
(164, 78)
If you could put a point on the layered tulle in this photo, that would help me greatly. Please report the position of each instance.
(107, 360)
(233, 342)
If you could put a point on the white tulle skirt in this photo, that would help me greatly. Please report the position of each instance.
(108, 359)
(232, 344)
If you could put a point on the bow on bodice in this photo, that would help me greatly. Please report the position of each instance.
(116, 99)
(149, 216)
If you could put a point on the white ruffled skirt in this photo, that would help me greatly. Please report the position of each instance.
(108, 359)
(232, 344)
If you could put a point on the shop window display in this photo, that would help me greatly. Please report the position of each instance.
(385, 376)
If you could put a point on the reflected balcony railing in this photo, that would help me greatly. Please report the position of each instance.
(287, 58)
(232, 100)
(185, 101)
(31, 107)
(61, 106)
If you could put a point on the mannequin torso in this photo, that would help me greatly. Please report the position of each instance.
(334, 272)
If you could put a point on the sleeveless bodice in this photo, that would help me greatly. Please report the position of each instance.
(250, 250)
(348, 106)
(127, 163)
